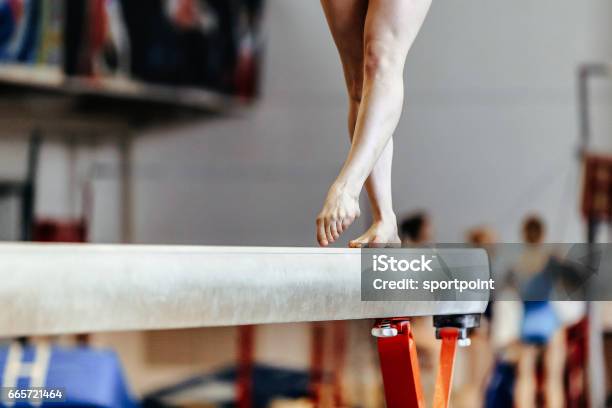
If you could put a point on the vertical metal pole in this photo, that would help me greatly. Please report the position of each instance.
(73, 184)
(125, 185)
(595, 370)
(28, 197)
(583, 109)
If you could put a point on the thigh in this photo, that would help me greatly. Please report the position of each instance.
(346, 20)
(394, 24)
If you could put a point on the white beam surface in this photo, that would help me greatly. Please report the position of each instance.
(72, 288)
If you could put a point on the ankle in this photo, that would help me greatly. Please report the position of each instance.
(343, 187)
(385, 217)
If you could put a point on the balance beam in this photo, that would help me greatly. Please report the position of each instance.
(83, 288)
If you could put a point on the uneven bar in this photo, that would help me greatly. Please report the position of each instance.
(81, 288)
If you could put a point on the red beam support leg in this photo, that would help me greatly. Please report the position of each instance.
(244, 380)
(399, 364)
(317, 350)
(339, 357)
(444, 379)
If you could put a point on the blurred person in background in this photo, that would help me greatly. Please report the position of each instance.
(479, 356)
(534, 257)
(542, 340)
(528, 334)
(373, 38)
(533, 230)
(416, 229)
(481, 236)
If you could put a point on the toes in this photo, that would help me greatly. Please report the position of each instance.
(346, 222)
(328, 233)
(356, 244)
(378, 241)
(375, 237)
(334, 230)
(321, 236)
(339, 227)
(364, 241)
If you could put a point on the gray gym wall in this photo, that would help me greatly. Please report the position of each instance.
(489, 132)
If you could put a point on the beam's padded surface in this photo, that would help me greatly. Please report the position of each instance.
(50, 288)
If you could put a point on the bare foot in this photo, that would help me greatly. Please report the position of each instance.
(381, 232)
(340, 210)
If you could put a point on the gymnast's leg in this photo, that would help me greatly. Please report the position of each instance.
(390, 29)
(346, 20)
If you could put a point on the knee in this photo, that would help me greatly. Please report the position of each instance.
(355, 88)
(352, 62)
(381, 58)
